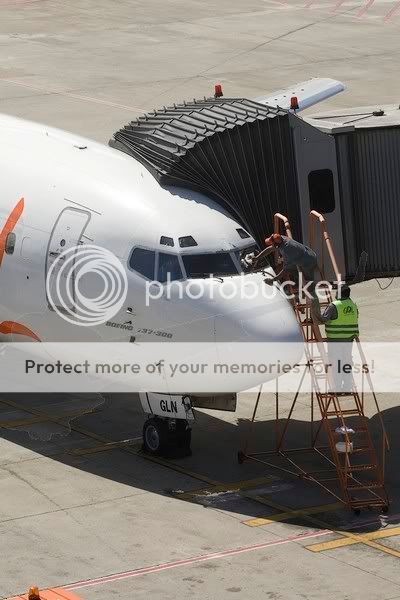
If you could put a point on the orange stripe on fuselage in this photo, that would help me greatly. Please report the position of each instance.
(11, 327)
(9, 226)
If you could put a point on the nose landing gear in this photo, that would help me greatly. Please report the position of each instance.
(170, 438)
(167, 431)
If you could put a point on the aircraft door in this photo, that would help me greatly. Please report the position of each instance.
(66, 235)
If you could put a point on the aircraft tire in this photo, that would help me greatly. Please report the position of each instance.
(155, 436)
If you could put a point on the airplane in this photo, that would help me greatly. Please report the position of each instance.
(60, 192)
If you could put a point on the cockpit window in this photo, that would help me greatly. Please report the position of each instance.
(242, 233)
(143, 262)
(187, 241)
(205, 265)
(166, 241)
(169, 268)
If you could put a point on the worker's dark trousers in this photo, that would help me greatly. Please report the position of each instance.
(305, 280)
(341, 361)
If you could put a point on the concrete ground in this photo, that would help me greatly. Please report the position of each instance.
(79, 510)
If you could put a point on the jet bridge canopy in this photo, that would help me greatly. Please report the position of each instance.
(237, 151)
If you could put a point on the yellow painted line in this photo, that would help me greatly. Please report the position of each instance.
(357, 539)
(226, 487)
(244, 484)
(21, 422)
(250, 483)
(345, 534)
(383, 548)
(121, 444)
(290, 514)
(44, 418)
(173, 466)
(102, 440)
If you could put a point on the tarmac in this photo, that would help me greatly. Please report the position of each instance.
(81, 508)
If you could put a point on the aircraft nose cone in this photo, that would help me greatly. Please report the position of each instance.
(258, 319)
(261, 330)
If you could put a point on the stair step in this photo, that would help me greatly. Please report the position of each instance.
(361, 450)
(372, 485)
(333, 395)
(377, 502)
(341, 396)
(352, 411)
(369, 467)
(355, 429)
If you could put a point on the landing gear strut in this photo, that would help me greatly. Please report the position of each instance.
(167, 437)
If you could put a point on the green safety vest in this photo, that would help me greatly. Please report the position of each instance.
(345, 327)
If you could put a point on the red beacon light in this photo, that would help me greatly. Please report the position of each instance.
(294, 103)
(218, 91)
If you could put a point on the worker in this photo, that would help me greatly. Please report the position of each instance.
(341, 327)
(293, 256)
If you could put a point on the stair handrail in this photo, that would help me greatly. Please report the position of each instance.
(316, 216)
(369, 379)
(278, 217)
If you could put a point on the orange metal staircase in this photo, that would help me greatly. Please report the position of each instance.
(350, 451)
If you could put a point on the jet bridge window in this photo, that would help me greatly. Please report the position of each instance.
(143, 262)
(321, 190)
(169, 268)
(205, 265)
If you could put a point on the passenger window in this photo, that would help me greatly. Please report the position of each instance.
(168, 263)
(143, 262)
(322, 191)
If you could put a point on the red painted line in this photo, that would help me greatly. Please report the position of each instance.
(191, 561)
(365, 8)
(392, 12)
(212, 556)
(337, 5)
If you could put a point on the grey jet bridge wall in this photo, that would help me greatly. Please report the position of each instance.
(235, 150)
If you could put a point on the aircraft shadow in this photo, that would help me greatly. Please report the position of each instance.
(212, 476)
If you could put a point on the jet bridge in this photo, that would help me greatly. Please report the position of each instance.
(237, 151)
(256, 160)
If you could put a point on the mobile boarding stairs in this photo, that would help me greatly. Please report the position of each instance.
(355, 473)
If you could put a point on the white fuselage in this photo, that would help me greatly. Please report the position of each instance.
(77, 191)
